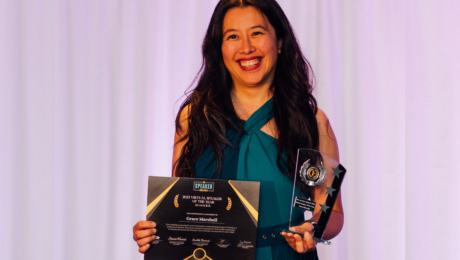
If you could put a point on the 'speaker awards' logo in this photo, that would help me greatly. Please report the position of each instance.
(203, 186)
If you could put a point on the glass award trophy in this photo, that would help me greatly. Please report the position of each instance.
(320, 173)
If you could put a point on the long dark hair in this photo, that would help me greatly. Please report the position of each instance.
(210, 106)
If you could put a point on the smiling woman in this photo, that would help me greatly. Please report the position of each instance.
(251, 110)
(250, 48)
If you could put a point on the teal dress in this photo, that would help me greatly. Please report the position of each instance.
(253, 158)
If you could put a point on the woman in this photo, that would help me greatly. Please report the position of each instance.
(250, 112)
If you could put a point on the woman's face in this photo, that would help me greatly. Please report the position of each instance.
(249, 47)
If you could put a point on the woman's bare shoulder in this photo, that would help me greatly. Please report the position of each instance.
(327, 139)
(180, 136)
(183, 119)
(321, 117)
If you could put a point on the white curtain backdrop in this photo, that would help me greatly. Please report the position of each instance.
(432, 130)
(89, 91)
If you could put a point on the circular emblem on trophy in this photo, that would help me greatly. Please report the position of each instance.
(312, 175)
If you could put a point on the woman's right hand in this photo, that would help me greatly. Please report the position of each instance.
(143, 233)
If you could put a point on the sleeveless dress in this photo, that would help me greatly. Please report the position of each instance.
(253, 158)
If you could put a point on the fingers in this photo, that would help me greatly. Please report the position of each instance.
(289, 238)
(143, 229)
(144, 233)
(300, 245)
(309, 243)
(308, 227)
(305, 227)
(145, 241)
(144, 248)
(144, 224)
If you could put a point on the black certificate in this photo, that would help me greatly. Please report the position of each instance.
(202, 219)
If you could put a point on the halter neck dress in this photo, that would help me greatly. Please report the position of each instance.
(253, 158)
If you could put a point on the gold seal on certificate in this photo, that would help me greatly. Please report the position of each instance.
(202, 219)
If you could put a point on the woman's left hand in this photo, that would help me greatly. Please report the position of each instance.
(300, 245)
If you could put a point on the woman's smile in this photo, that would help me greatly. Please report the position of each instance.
(250, 63)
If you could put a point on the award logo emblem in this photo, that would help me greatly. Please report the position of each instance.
(203, 186)
(312, 175)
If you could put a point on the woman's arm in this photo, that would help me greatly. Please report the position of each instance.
(144, 231)
(183, 121)
(328, 145)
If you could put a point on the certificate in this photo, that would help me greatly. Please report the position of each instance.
(202, 219)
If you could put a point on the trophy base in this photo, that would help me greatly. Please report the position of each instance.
(322, 241)
(319, 240)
